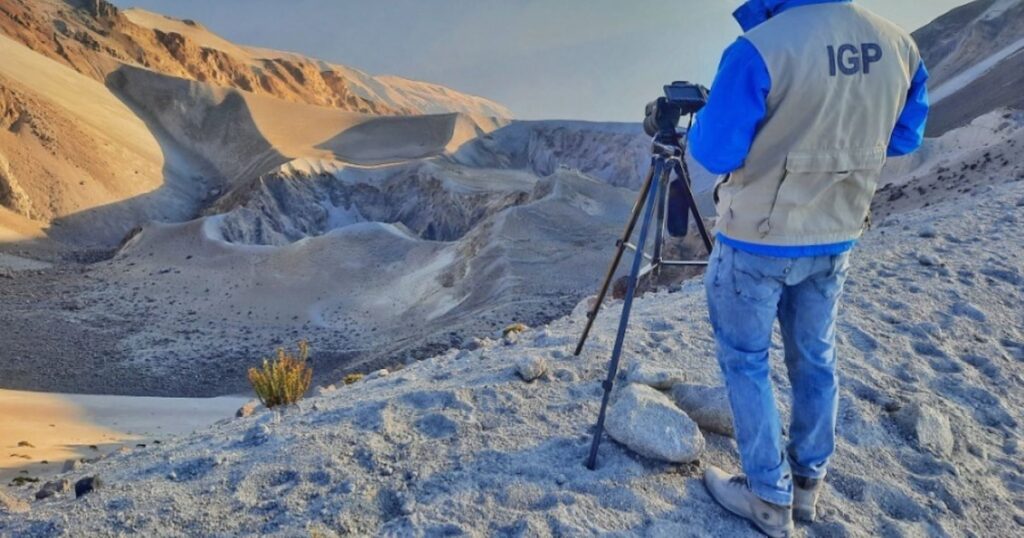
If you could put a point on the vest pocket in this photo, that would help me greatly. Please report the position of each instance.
(824, 192)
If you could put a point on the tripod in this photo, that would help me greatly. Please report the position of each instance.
(668, 156)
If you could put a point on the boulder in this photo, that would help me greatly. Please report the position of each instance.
(12, 505)
(530, 368)
(87, 485)
(53, 487)
(652, 376)
(72, 465)
(928, 428)
(707, 406)
(646, 421)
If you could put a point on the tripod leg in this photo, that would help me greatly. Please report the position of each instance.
(659, 234)
(684, 173)
(627, 306)
(630, 225)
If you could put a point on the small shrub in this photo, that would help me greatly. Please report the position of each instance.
(514, 328)
(352, 378)
(284, 380)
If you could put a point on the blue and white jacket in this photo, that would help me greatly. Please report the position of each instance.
(767, 81)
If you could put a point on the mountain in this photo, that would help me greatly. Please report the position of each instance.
(90, 150)
(975, 54)
(94, 38)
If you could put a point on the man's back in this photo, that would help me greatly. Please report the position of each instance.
(835, 80)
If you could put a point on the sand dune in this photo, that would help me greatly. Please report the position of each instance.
(40, 431)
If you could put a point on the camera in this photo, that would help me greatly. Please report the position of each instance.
(681, 98)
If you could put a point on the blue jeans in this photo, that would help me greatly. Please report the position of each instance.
(746, 293)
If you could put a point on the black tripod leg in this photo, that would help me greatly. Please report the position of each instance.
(659, 233)
(630, 226)
(627, 306)
(684, 173)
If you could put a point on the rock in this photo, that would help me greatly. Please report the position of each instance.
(474, 344)
(257, 435)
(383, 372)
(12, 505)
(72, 465)
(6, 273)
(530, 368)
(927, 427)
(927, 232)
(53, 487)
(510, 338)
(25, 444)
(652, 376)
(320, 391)
(566, 375)
(646, 421)
(707, 406)
(87, 485)
(248, 409)
(1020, 203)
(929, 260)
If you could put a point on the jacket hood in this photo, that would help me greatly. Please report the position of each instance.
(754, 12)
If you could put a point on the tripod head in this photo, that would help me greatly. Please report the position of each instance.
(661, 119)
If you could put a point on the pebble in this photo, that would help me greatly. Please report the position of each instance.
(659, 378)
(257, 435)
(530, 368)
(53, 487)
(383, 372)
(929, 260)
(929, 428)
(248, 409)
(928, 232)
(87, 485)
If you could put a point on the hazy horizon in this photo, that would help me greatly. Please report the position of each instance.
(596, 60)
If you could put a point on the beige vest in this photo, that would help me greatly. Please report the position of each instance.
(840, 77)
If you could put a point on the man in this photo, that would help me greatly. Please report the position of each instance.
(804, 110)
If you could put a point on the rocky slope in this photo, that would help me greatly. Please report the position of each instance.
(975, 55)
(931, 352)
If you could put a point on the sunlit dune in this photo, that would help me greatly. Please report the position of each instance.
(52, 428)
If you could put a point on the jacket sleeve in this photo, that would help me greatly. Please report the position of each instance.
(725, 128)
(909, 132)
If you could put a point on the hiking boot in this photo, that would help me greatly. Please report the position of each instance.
(733, 493)
(805, 498)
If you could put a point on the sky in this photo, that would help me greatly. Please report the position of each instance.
(599, 60)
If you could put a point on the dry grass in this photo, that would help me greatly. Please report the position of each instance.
(284, 380)
(352, 378)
